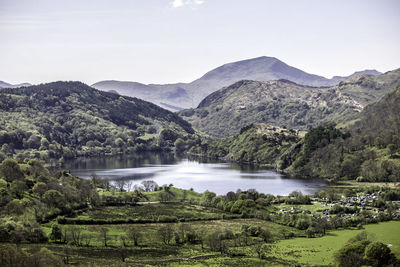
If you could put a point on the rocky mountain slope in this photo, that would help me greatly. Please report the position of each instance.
(286, 104)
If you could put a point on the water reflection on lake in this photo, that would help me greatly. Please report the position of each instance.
(201, 175)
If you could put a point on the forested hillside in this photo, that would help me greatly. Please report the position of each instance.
(68, 119)
(259, 144)
(367, 150)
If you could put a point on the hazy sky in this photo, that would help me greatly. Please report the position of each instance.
(160, 41)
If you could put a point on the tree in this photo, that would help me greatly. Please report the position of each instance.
(37, 169)
(104, 234)
(165, 196)
(166, 233)
(123, 239)
(351, 254)
(231, 196)
(18, 187)
(86, 238)
(266, 235)
(215, 242)
(302, 224)
(134, 235)
(179, 145)
(149, 185)
(54, 198)
(392, 149)
(378, 254)
(76, 235)
(237, 206)
(262, 249)
(45, 258)
(13, 256)
(56, 232)
(10, 170)
(15, 207)
(120, 184)
(3, 184)
(207, 197)
(39, 189)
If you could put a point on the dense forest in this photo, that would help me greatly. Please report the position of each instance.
(69, 119)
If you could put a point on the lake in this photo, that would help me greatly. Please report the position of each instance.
(201, 175)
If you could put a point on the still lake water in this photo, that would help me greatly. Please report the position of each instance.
(201, 175)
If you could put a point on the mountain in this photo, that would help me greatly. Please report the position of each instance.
(281, 103)
(188, 95)
(8, 85)
(369, 151)
(368, 88)
(68, 119)
(337, 79)
(166, 96)
(366, 150)
(286, 104)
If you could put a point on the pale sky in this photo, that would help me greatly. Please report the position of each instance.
(166, 41)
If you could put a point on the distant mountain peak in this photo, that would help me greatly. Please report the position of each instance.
(4, 84)
(189, 95)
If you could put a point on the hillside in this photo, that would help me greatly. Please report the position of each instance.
(286, 104)
(188, 95)
(281, 103)
(256, 144)
(67, 119)
(367, 149)
(368, 88)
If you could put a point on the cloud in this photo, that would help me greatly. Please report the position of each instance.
(181, 3)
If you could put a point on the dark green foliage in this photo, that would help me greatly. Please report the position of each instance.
(319, 137)
(10, 170)
(351, 254)
(259, 143)
(13, 256)
(166, 233)
(30, 202)
(360, 251)
(56, 232)
(363, 154)
(68, 119)
(297, 197)
(378, 254)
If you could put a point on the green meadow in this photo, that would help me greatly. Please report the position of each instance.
(320, 251)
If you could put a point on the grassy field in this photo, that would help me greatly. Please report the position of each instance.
(156, 212)
(152, 251)
(319, 251)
